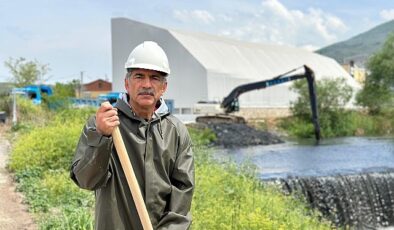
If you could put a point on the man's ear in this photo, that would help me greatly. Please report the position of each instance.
(164, 89)
(126, 84)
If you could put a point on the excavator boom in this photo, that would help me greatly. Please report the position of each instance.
(231, 104)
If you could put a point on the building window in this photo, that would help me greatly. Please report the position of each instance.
(100, 85)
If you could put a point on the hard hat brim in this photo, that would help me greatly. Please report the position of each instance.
(148, 67)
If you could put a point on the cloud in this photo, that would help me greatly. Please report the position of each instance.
(272, 22)
(387, 14)
(275, 23)
(200, 16)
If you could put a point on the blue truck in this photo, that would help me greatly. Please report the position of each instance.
(34, 92)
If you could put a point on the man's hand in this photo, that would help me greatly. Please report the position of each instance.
(106, 119)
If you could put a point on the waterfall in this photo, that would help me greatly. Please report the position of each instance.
(363, 201)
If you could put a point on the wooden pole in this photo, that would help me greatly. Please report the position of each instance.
(131, 179)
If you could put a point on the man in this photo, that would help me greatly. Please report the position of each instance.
(157, 143)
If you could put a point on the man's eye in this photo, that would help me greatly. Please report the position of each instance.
(137, 77)
(156, 78)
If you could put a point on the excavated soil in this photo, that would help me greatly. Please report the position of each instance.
(238, 135)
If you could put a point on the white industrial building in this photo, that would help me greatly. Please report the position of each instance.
(206, 67)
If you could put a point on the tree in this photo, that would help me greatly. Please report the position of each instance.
(61, 94)
(377, 94)
(332, 96)
(65, 90)
(26, 72)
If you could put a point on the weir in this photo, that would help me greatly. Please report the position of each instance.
(363, 201)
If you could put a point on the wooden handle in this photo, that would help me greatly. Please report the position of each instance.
(131, 179)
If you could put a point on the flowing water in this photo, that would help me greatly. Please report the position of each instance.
(331, 157)
(350, 180)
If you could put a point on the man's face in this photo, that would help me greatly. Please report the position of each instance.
(145, 87)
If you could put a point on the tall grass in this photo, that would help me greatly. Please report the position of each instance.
(343, 123)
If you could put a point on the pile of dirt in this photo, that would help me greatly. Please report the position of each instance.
(235, 135)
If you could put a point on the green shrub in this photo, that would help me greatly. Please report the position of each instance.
(50, 147)
(74, 218)
(5, 103)
(333, 118)
(59, 187)
(346, 123)
(202, 136)
(227, 197)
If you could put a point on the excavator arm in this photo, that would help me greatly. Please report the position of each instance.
(230, 103)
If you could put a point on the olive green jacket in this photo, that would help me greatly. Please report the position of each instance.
(161, 155)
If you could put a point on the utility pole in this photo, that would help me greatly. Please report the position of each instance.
(14, 119)
(81, 86)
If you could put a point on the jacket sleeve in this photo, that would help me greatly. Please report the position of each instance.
(90, 166)
(182, 180)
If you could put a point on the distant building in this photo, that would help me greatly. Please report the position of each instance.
(358, 60)
(357, 72)
(206, 67)
(95, 88)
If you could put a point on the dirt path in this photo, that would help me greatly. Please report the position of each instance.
(13, 214)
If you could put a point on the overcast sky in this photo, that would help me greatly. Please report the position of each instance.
(73, 36)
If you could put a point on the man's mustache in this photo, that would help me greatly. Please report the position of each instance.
(150, 92)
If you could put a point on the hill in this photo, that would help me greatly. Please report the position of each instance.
(360, 47)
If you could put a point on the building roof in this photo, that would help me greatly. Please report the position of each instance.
(255, 61)
(208, 67)
(98, 85)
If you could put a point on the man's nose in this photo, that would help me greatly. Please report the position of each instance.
(146, 82)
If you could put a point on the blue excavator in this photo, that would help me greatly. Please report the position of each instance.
(230, 103)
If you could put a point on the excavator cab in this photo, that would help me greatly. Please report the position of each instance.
(233, 107)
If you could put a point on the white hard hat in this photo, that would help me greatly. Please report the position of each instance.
(148, 55)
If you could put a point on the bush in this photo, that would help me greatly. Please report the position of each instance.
(201, 137)
(227, 197)
(41, 159)
(5, 103)
(50, 147)
(29, 115)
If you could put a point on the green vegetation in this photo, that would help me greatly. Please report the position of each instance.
(334, 119)
(377, 94)
(231, 197)
(377, 97)
(41, 159)
(226, 196)
(26, 72)
(61, 95)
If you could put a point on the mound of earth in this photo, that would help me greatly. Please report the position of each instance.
(235, 135)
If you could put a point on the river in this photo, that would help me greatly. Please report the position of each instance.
(350, 180)
(350, 155)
